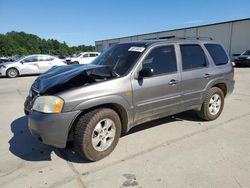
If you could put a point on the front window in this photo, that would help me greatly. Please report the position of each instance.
(30, 59)
(161, 60)
(120, 58)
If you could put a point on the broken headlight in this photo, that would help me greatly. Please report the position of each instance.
(48, 104)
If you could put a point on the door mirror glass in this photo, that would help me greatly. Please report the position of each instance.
(146, 72)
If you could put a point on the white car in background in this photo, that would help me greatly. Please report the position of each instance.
(32, 64)
(83, 58)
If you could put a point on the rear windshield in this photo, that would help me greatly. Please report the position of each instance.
(246, 52)
(217, 53)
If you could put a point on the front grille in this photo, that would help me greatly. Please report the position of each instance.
(33, 93)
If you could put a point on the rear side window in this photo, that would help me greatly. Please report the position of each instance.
(193, 57)
(217, 53)
(162, 60)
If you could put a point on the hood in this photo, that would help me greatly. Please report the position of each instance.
(65, 77)
(9, 63)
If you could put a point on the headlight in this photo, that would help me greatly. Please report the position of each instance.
(248, 57)
(48, 104)
(2, 66)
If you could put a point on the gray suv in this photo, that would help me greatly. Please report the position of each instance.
(129, 84)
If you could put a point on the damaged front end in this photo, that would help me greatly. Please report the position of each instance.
(62, 78)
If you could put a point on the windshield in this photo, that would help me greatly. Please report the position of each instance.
(120, 58)
(246, 52)
(18, 59)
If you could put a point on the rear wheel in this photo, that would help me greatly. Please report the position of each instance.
(12, 73)
(212, 105)
(97, 133)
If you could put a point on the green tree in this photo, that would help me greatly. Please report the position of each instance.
(21, 43)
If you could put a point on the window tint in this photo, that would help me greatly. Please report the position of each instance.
(120, 58)
(30, 59)
(85, 55)
(246, 52)
(45, 58)
(192, 57)
(161, 60)
(92, 55)
(217, 53)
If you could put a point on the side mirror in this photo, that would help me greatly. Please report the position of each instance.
(146, 72)
(22, 62)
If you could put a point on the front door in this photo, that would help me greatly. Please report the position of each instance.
(30, 65)
(159, 95)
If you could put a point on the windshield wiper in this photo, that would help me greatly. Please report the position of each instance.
(115, 74)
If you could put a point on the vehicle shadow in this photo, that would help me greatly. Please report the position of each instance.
(29, 148)
(26, 146)
(22, 76)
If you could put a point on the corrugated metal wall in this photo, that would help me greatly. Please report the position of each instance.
(234, 35)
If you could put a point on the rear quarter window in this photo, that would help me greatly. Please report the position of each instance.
(217, 53)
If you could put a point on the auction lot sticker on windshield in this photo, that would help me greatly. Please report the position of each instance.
(136, 49)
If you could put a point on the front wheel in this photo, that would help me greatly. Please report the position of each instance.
(212, 105)
(12, 73)
(97, 133)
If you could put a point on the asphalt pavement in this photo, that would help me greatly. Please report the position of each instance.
(177, 151)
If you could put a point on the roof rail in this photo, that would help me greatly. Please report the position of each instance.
(198, 38)
(186, 38)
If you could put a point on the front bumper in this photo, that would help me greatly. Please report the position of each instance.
(53, 129)
(2, 72)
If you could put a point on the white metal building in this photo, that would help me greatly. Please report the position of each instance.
(234, 35)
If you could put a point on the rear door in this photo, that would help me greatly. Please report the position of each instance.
(196, 73)
(158, 95)
(45, 63)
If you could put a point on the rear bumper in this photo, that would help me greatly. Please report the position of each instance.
(53, 129)
(230, 87)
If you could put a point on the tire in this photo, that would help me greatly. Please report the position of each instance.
(12, 73)
(212, 106)
(90, 136)
(75, 62)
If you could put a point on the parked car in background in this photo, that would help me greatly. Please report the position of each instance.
(129, 84)
(83, 58)
(32, 64)
(5, 59)
(243, 59)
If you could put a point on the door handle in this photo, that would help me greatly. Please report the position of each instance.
(207, 75)
(173, 82)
